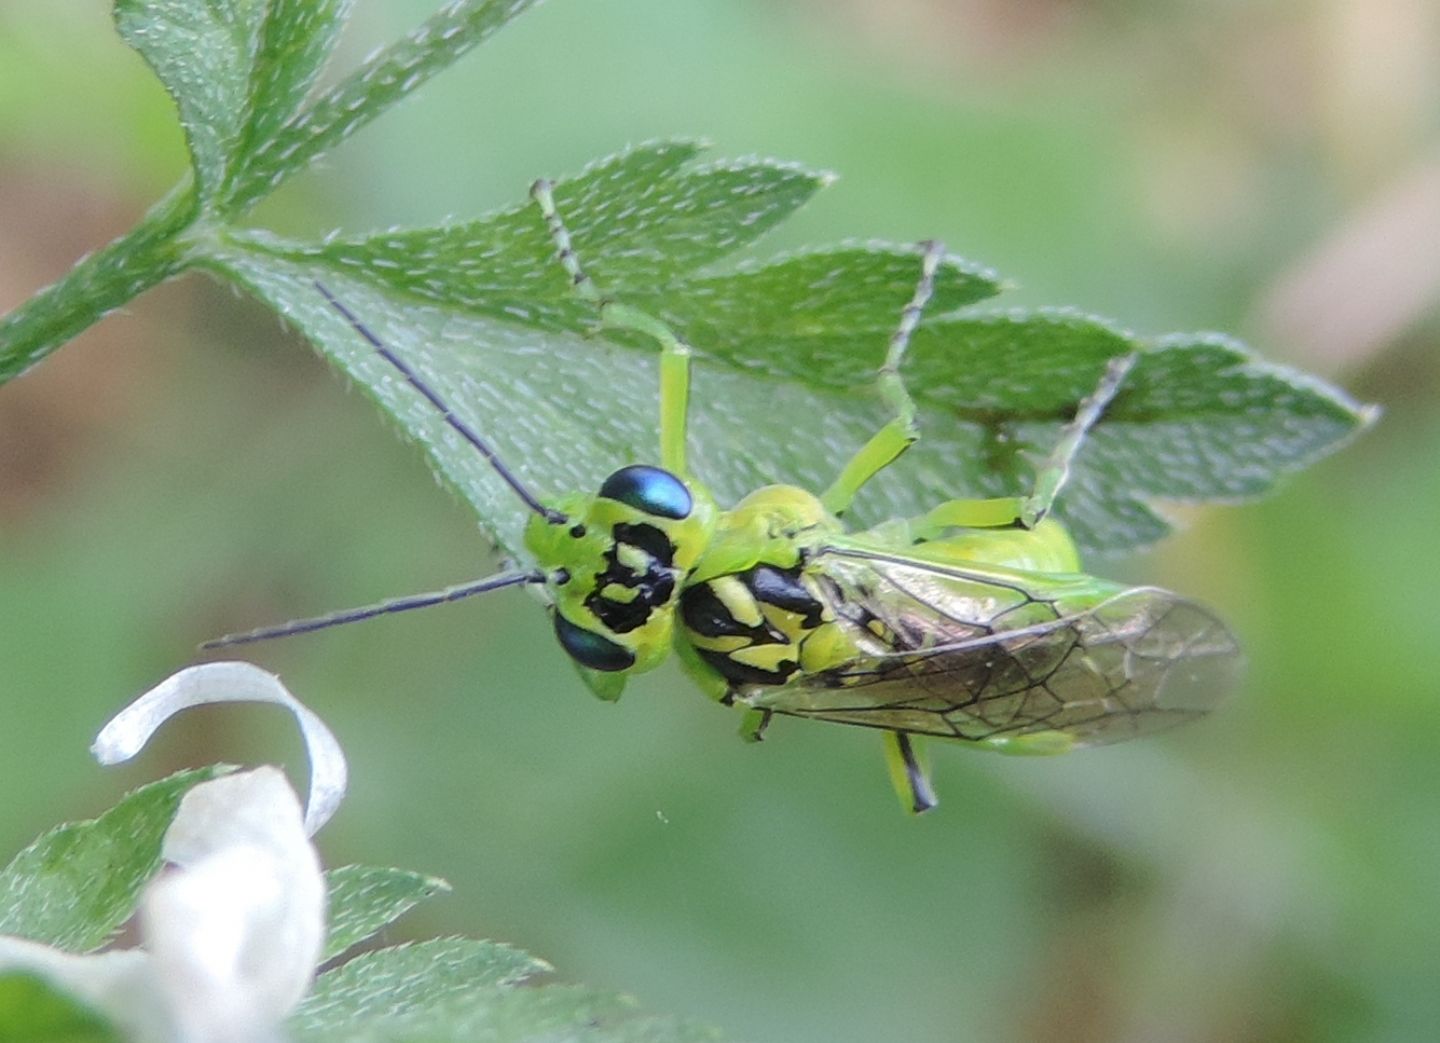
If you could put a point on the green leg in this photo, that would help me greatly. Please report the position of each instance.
(674, 352)
(1000, 513)
(1052, 474)
(900, 433)
(1027, 511)
(909, 772)
(754, 723)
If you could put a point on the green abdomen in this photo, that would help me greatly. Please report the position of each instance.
(769, 624)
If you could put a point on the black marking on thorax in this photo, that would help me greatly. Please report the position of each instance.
(654, 583)
(745, 673)
(706, 615)
(783, 589)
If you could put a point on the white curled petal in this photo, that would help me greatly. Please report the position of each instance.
(114, 984)
(234, 930)
(230, 682)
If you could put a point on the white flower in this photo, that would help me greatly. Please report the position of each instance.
(232, 929)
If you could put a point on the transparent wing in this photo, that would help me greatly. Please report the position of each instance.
(996, 656)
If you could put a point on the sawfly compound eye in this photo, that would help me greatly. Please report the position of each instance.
(591, 649)
(653, 490)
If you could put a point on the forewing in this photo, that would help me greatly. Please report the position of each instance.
(993, 656)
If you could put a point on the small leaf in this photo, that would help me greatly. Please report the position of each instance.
(554, 1012)
(1201, 419)
(399, 980)
(295, 41)
(1217, 420)
(1198, 419)
(379, 83)
(203, 53)
(846, 289)
(1015, 362)
(31, 1011)
(701, 215)
(365, 899)
(822, 317)
(499, 1014)
(77, 883)
(239, 72)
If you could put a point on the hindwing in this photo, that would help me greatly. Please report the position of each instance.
(989, 655)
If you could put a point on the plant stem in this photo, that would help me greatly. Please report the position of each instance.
(99, 283)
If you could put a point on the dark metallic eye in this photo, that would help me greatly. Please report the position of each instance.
(591, 649)
(650, 489)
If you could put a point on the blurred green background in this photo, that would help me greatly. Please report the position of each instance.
(1265, 168)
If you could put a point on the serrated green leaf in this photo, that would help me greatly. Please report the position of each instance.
(76, 884)
(639, 218)
(203, 53)
(785, 392)
(379, 83)
(364, 899)
(404, 979)
(32, 1011)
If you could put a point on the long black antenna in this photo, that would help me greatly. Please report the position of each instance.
(380, 608)
(466, 431)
